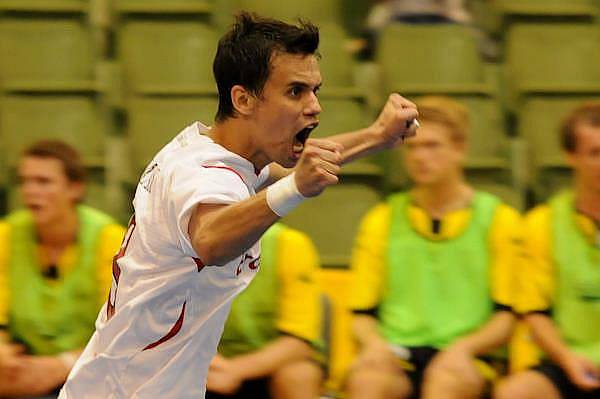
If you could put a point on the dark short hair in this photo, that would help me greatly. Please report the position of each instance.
(69, 157)
(587, 113)
(244, 54)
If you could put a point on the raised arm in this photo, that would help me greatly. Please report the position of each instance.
(394, 123)
(220, 233)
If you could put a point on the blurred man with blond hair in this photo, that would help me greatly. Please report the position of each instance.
(433, 267)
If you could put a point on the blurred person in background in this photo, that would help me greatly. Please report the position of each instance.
(560, 286)
(417, 11)
(432, 297)
(55, 272)
(268, 346)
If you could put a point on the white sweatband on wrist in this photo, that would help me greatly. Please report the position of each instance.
(283, 195)
(68, 359)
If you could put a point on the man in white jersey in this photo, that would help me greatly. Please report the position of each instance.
(193, 243)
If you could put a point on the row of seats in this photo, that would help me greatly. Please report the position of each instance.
(166, 56)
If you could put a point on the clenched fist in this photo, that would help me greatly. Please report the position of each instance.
(396, 121)
(318, 166)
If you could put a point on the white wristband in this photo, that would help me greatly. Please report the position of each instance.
(283, 196)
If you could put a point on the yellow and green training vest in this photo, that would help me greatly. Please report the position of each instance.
(47, 316)
(436, 291)
(576, 307)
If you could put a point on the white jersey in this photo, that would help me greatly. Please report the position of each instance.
(159, 330)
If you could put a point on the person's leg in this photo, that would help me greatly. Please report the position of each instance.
(445, 380)
(527, 385)
(300, 380)
(374, 383)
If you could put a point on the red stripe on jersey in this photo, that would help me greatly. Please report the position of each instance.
(225, 168)
(199, 263)
(172, 332)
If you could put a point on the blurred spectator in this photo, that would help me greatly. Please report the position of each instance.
(267, 345)
(560, 288)
(55, 271)
(416, 11)
(433, 274)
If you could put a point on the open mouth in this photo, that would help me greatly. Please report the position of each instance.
(301, 137)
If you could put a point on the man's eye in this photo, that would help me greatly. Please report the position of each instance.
(295, 91)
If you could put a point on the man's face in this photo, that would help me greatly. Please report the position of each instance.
(431, 156)
(585, 160)
(45, 188)
(288, 108)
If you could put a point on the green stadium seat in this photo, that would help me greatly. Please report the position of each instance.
(332, 219)
(154, 121)
(165, 57)
(318, 11)
(340, 115)
(539, 123)
(336, 62)
(76, 119)
(45, 6)
(161, 7)
(550, 181)
(441, 58)
(553, 58)
(499, 183)
(555, 8)
(53, 54)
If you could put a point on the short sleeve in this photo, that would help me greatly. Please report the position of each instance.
(368, 259)
(110, 240)
(190, 186)
(507, 254)
(299, 304)
(4, 290)
(537, 277)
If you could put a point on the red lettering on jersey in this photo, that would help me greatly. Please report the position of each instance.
(252, 265)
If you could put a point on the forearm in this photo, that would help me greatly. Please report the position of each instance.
(547, 336)
(220, 233)
(495, 333)
(360, 143)
(266, 361)
(366, 331)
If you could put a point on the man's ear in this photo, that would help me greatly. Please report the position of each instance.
(243, 101)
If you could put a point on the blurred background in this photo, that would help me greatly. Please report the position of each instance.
(119, 78)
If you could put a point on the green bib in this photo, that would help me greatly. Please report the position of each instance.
(436, 291)
(53, 316)
(251, 322)
(576, 308)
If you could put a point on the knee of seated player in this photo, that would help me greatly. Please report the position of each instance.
(370, 382)
(526, 385)
(306, 374)
(448, 383)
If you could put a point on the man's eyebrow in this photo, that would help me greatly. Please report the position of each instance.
(298, 83)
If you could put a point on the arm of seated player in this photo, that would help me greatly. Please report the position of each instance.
(220, 233)
(225, 375)
(492, 335)
(581, 371)
(36, 375)
(375, 352)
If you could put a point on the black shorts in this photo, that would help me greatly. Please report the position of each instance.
(255, 389)
(559, 379)
(420, 358)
